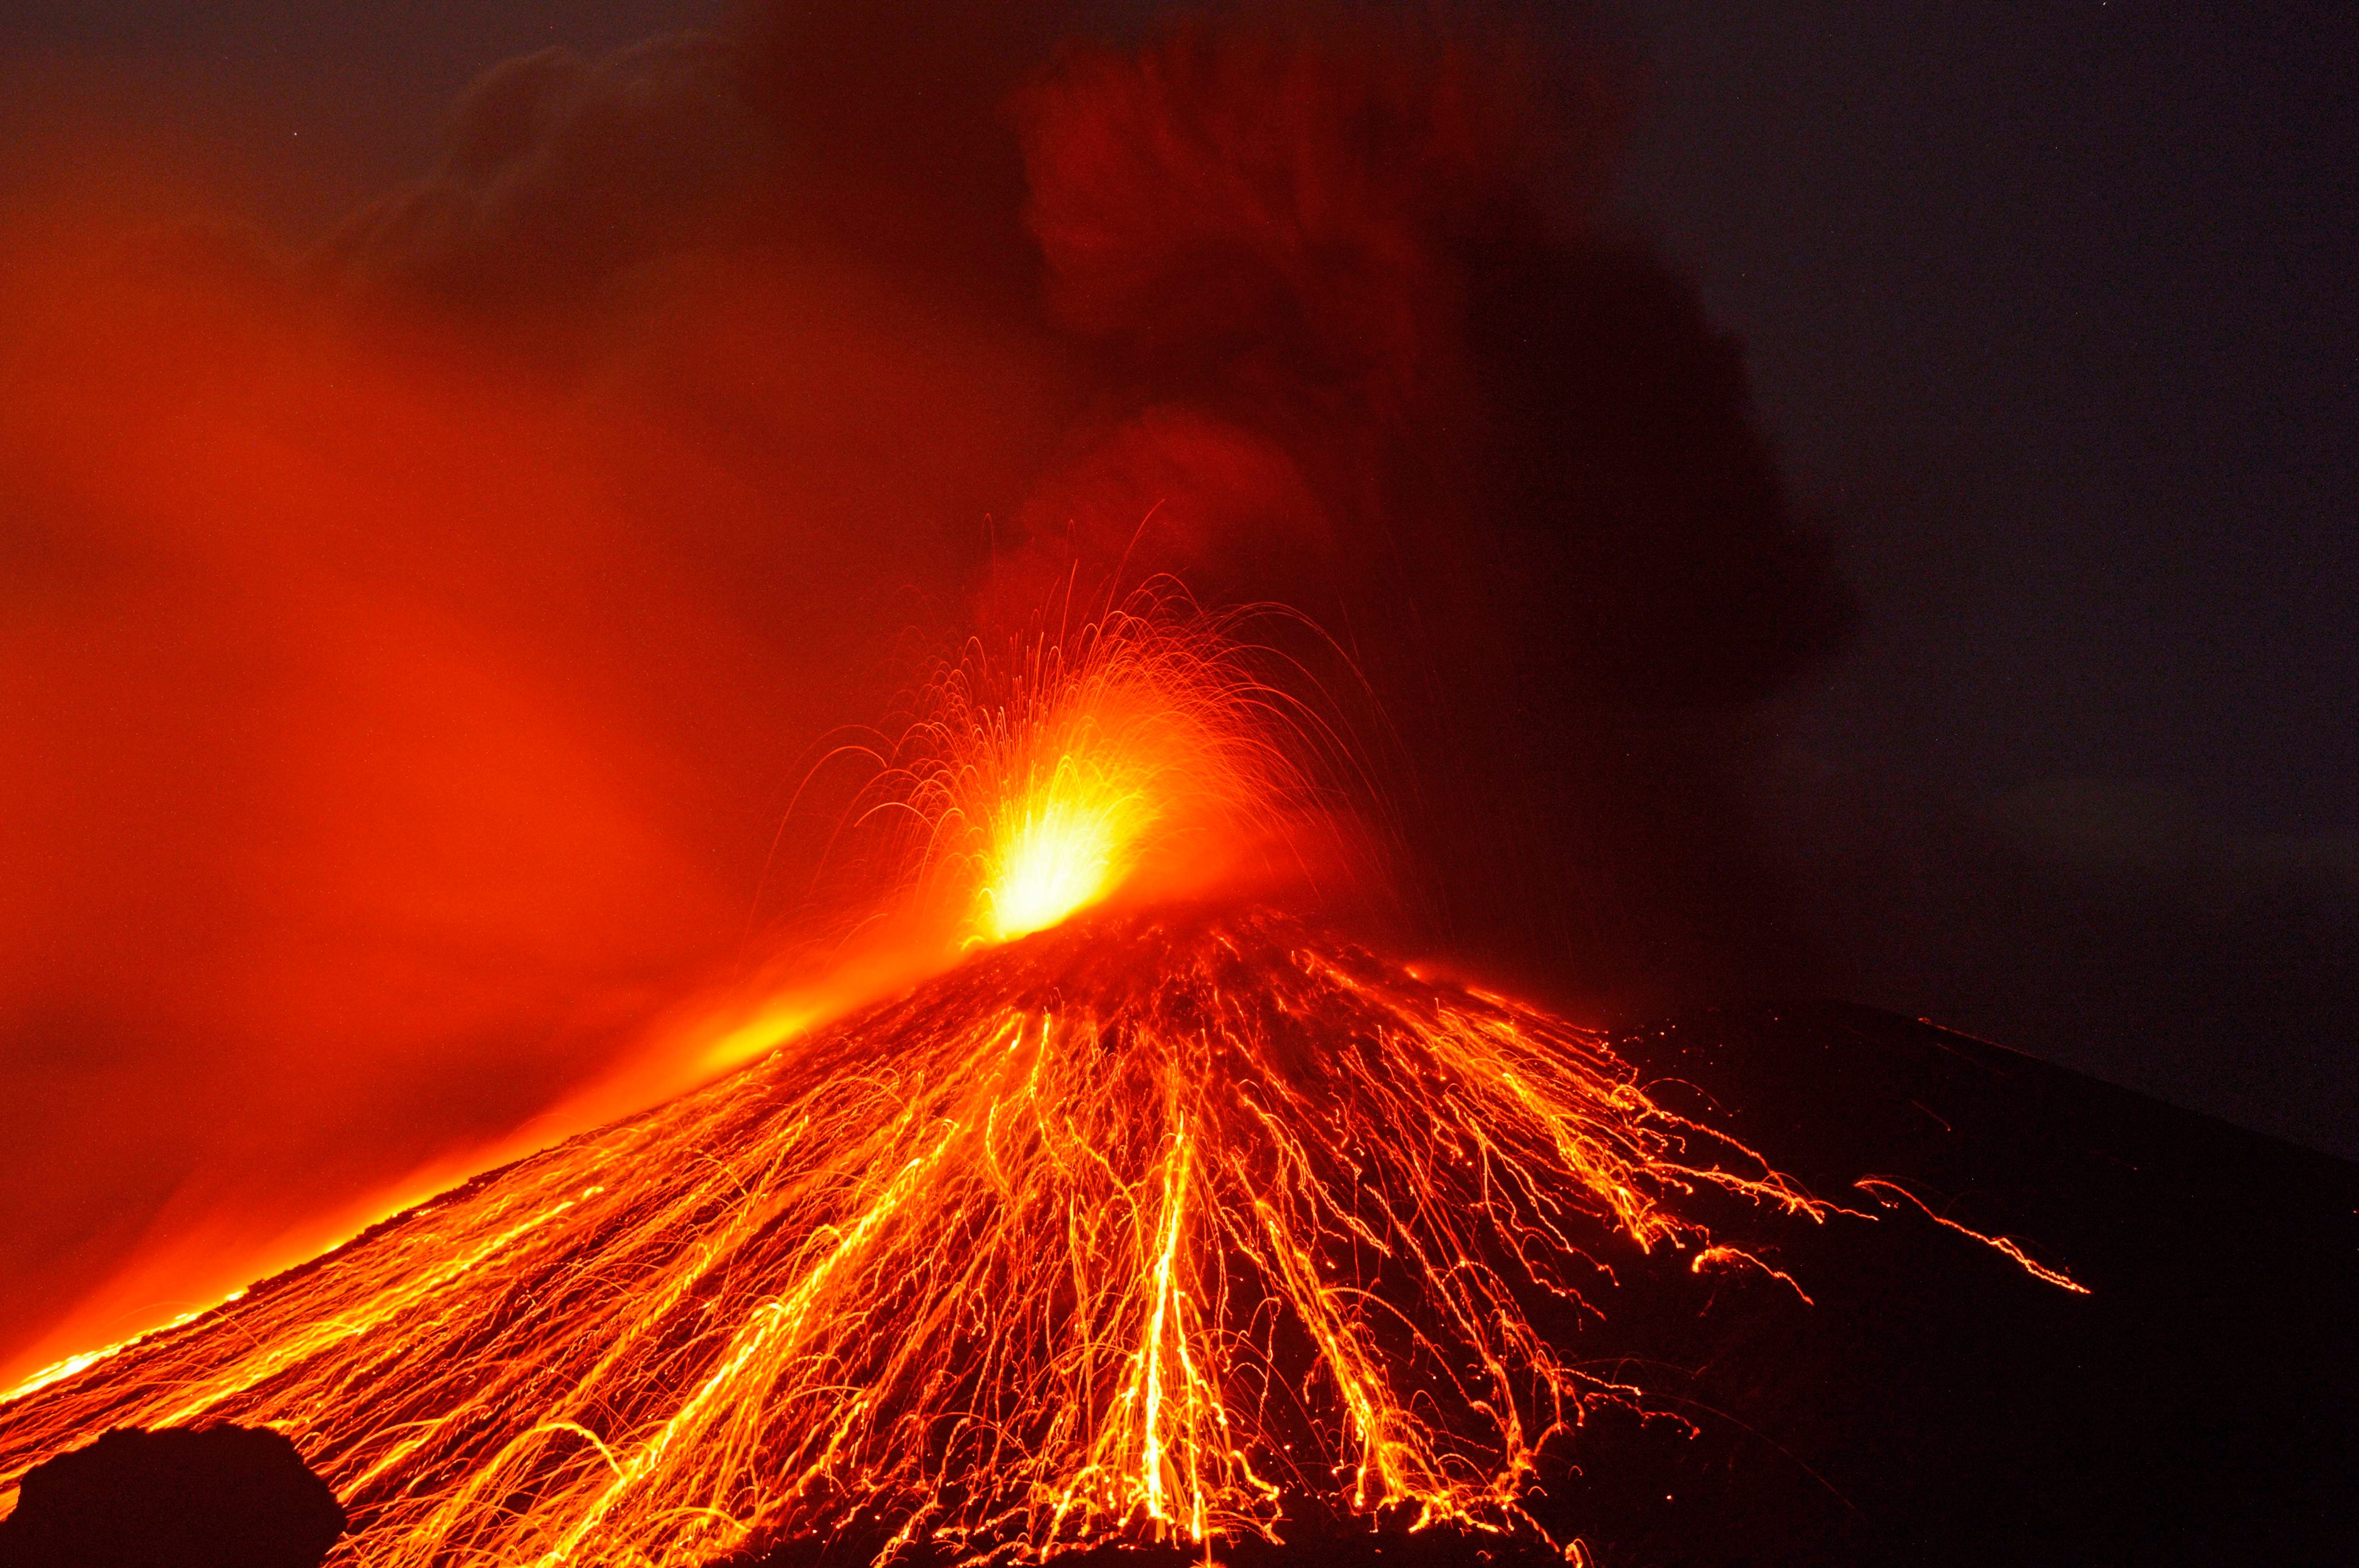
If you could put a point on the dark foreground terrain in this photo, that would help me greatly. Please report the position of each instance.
(226, 1496)
(1939, 1405)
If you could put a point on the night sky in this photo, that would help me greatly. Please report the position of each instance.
(2048, 318)
(2049, 311)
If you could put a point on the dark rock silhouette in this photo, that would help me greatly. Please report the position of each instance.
(226, 1496)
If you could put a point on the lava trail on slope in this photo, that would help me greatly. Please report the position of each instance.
(1153, 1225)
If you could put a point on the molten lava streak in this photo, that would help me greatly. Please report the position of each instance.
(1130, 1228)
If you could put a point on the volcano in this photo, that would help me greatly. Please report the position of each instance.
(1154, 1222)
(1199, 1231)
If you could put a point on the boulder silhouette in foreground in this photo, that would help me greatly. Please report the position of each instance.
(226, 1496)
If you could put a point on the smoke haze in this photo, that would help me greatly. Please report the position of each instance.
(412, 640)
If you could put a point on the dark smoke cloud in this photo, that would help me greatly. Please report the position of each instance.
(1364, 346)
(558, 173)
(411, 642)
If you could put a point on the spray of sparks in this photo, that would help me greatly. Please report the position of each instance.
(1137, 1227)
(1139, 750)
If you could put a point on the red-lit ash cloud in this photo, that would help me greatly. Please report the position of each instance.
(395, 724)
(413, 641)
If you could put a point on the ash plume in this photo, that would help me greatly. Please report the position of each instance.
(1365, 345)
(420, 633)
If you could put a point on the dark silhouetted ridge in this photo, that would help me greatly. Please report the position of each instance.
(226, 1496)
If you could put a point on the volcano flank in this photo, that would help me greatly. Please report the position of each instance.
(1192, 1230)
(1146, 1226)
